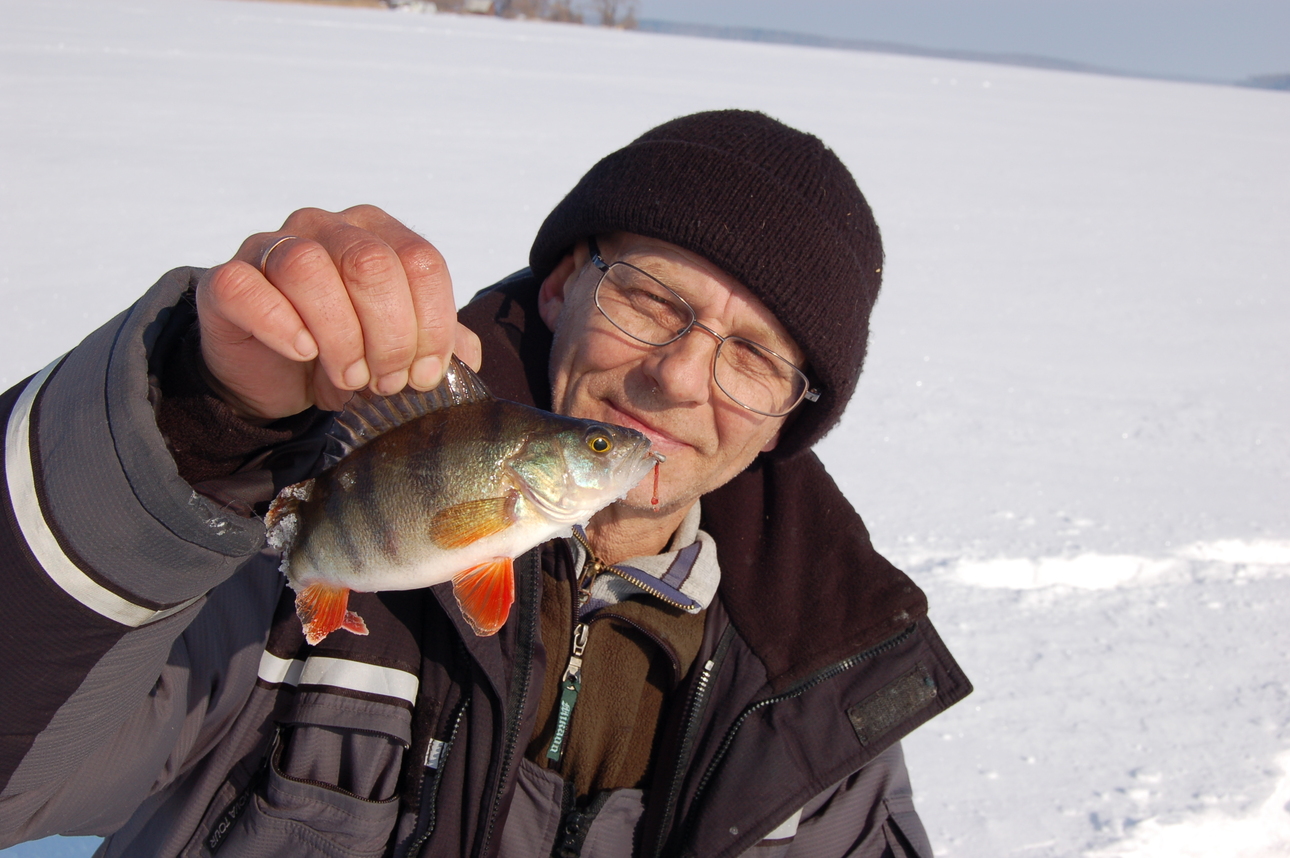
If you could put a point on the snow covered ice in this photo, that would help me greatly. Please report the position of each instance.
(1073, 429)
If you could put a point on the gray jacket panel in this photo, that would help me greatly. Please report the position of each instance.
(118, 551)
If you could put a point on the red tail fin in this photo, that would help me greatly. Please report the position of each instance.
(322, 609)
(485, 594)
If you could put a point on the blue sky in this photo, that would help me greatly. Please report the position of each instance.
(1202, 39)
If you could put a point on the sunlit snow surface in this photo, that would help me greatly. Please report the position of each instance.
(1073, 426)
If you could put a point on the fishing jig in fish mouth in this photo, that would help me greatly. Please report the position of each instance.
(447, 485)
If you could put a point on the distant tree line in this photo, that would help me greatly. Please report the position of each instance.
(1269, 81)
(607, 13)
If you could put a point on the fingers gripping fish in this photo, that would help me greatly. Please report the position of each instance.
(451, 484)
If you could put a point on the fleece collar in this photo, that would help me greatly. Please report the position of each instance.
(687, 574)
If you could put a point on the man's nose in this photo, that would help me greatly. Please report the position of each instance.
(683, 369)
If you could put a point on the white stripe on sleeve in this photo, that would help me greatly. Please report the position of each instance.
(40, 538)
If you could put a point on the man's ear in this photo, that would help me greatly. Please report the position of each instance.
(551, 295)
(773, 442)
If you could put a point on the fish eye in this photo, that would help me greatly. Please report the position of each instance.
(600, 444)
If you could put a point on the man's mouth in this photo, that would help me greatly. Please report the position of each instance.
(660, 441)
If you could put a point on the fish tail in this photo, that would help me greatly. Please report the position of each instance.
(282, 519)
(323, 608)
(485, 594)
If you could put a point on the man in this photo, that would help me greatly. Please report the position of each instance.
(728, 670)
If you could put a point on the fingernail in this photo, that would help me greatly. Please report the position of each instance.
(390, 384)
(305, 346)
(427, 372)
(358, 375)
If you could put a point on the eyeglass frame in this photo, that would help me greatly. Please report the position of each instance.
(808, 394)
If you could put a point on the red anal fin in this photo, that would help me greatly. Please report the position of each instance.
(460, 525)
(485, 594)
(322, 609)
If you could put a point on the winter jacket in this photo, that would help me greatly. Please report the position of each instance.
(156, 684)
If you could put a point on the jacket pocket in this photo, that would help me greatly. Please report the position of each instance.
(328, 788)
(361, 764)
(305, 817)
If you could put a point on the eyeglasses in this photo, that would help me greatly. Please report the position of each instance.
(646, 310)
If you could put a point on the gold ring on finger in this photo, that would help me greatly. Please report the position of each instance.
(264, 257)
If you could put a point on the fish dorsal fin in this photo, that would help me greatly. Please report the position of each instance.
(368, 415)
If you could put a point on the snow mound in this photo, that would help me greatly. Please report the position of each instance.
(1265, 834)
(1265, 552)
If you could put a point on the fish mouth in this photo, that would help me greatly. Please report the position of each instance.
(650, 457)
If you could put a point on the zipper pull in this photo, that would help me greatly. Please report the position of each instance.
(570, 686)
(434, 754)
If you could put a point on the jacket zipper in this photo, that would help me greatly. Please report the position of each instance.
(694, 712)
(571, 681)
(436, 758)
(570, 687)
(796, 691)
(524, 662)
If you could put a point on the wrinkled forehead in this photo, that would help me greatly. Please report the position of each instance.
(718, 298)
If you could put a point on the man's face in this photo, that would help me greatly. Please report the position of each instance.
(666, 392)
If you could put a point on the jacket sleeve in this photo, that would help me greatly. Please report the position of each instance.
(869, 815)
(107, 557)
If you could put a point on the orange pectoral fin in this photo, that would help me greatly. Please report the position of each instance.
(322, 609)
(464, 523)
(485, 594)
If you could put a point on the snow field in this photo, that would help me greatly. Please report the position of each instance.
(1073, 425)
(1123, 703)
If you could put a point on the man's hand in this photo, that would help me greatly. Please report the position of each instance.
(344, 301)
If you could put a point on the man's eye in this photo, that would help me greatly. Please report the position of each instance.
(655, 306)
(751, 359)
(638, 296)
(646, 299)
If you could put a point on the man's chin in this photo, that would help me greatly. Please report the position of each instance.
(641, 500)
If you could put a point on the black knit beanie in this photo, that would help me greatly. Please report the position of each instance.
(771, 206)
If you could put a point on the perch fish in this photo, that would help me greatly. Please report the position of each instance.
(451, 484)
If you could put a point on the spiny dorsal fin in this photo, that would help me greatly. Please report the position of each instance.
(367, 415)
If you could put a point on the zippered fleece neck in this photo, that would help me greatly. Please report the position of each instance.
(685, 576)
